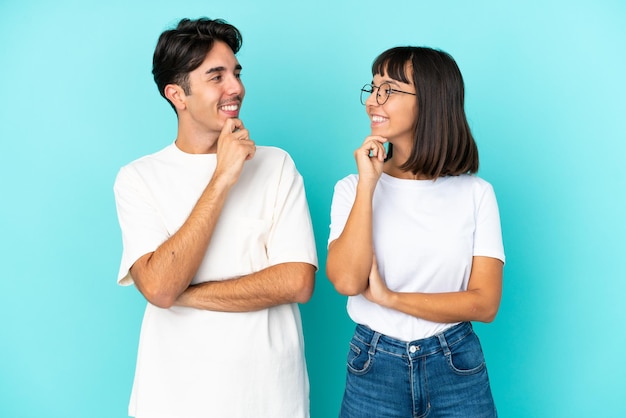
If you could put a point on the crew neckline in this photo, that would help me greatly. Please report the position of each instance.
(186, 155)
(412, 183)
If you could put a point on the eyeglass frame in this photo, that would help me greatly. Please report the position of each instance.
(389, 90)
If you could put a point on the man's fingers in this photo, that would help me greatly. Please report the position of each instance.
(252, 150)
(242, 134)
(232, 125)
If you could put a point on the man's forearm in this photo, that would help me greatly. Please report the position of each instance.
(275, 285)
(163, 275)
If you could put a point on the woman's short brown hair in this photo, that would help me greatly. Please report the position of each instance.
(443, 143)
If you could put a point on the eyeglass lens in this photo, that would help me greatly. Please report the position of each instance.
(382, 93)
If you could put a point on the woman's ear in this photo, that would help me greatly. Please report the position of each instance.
(176, 95)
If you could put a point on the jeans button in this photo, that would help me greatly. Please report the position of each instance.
(414, 348)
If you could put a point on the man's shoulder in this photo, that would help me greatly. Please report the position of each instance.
(270, 160)
(272, 155)
(151, 158)
(271, 152)
(143, 167)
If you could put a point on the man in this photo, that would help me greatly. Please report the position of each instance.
(218, 238)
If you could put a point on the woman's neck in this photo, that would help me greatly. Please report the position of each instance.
(392, 166)
(393, 169)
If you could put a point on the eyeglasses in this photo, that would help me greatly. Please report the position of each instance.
(383, 93)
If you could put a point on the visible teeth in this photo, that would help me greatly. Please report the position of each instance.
(378, 118)
(230, 108)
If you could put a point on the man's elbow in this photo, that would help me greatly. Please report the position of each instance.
(159, 297)
(154, 288)
(160, 301)
(306, 284)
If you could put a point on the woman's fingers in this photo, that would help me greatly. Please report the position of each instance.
(373, 147)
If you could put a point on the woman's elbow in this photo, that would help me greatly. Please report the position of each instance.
(488, 313)
(347, 286)
(488, 318)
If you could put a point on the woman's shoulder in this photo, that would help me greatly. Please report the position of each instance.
(348, 181)
(471, 180)
(347, 184)
(471, 184)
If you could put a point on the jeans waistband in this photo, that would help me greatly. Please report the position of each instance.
(422, 347)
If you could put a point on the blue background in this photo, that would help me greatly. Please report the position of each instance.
(545, 99)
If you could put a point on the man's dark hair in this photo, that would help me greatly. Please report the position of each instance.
(443, 143)
(181, 50)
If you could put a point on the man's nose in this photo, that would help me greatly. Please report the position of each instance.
(234, 86)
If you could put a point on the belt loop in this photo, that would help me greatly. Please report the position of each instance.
(444, 344)
(374, 343)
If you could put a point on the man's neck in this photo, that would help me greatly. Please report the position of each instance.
(196, 143)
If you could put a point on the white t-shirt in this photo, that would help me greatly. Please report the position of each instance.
(425, 234)
(195, 363)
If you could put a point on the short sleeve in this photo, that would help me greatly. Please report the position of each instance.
(143, 229)
(488, 232)
(291, 237)
(343, 200)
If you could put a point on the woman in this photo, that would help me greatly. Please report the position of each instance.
(415, 243)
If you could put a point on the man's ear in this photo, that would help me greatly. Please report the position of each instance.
(176, 95)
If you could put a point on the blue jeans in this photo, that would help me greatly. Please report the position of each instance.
(441, 376)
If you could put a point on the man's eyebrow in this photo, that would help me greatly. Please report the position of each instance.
(215, 70)
(220, 69)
